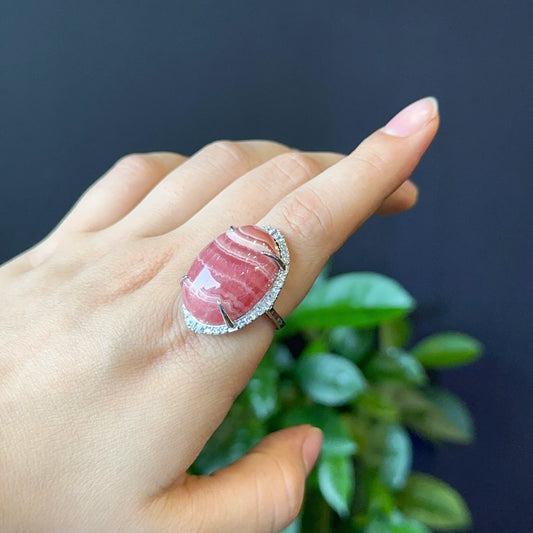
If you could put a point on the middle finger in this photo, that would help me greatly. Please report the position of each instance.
(254, 194)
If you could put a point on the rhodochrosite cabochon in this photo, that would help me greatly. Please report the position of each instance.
(239, 275)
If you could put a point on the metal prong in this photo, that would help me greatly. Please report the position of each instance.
(232, 228)
(183, 278)
(278, 260)
(276, 318)
(225, 316)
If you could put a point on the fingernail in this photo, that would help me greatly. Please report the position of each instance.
(311, 448)
(413, 118)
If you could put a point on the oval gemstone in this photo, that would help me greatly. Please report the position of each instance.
(232, 270)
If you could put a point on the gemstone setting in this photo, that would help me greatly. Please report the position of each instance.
(235, 279)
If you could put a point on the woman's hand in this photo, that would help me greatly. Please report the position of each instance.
(106, 398)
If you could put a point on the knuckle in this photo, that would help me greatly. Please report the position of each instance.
(139, 164)
(294, 497)
(307, 216)
(228, 155)
(271, 146)
(371, 160)
(289, 484)
(297, 166)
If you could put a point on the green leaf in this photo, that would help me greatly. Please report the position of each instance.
(316, 345)
(329, 379)
(454, 410)
(262, 389)
(435, 414)
(396, 522)
(434, 423)
(407, 399)
(389, 449)
(282, 357)
(395, 364)
(380, 498)
(434, 503)
(239, 432)
(447, 349)
(316, 514)
(376, 405)
(394, 333)
(378, 525)
(408, 526)
(361, 299)
(337, 437)
(336, 480)
(397, 459)
(295, 527)
(350, 342)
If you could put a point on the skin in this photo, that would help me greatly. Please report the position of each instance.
(106, 398)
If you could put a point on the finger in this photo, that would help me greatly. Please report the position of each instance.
(183, 192)
(315, 219)
(253, 195)
(262, 492)
(320, 215)
(119, 190)
(402, 199)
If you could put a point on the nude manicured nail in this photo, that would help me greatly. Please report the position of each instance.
(311, 448)
(413, 118)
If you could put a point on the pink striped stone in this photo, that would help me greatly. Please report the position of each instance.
(231, 270)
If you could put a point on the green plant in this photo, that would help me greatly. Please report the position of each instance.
(353, 377)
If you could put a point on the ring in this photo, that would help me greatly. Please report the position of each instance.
(235, 279)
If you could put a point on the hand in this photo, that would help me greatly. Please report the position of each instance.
(106, 398)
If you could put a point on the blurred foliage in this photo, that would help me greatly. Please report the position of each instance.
(354, 377)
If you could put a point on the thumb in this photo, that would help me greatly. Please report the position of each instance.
(261, 492)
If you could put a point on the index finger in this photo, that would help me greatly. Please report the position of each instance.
(320, 215)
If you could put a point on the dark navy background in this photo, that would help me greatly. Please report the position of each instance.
(83, 83)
